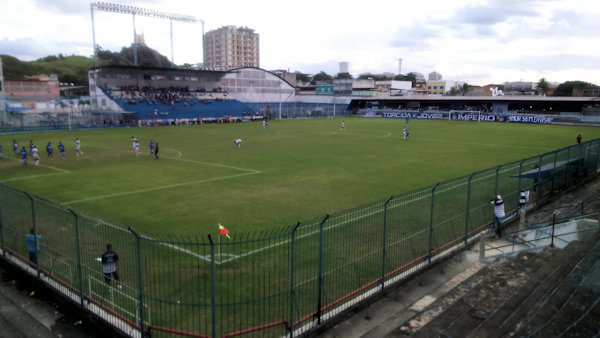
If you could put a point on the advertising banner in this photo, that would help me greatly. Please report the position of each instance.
(404, 115)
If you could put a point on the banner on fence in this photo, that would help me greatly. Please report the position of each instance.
(424, 116)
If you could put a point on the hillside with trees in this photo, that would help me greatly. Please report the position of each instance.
(74, 68)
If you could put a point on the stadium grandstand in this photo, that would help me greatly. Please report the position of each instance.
(523, 109)
(166, 96)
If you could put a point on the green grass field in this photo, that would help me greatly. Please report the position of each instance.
(297, 170)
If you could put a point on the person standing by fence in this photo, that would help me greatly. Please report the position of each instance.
(33, 246)
(110, 264)
(523, 198)
(579, 139)
(498, 204)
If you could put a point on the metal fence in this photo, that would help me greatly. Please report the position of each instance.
(270, 283)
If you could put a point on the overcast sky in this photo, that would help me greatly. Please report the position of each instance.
(477, 41)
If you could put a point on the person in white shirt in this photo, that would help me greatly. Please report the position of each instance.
(78, 147)
(498, 204)
(36, 156)
(238, 142)
(523, 198)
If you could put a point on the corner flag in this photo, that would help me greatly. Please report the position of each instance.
(223, 231)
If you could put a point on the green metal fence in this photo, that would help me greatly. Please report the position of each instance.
(272, 283)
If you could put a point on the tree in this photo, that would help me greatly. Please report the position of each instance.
(566, 88)
(543, 86)
(322, 76)
(301, 77)
(345, 75)
(465, 88)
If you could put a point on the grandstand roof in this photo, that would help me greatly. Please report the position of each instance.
(527, 98)
(241, 68)
(164, 69)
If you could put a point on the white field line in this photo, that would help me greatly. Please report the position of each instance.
(178, 158)
(60, 171)
(168, 186)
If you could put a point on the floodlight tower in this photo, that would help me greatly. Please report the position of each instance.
(2, 107)
(116, 8)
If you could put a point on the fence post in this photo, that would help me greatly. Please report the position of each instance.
(567, 166)
(212, 288)
(78, 247)
(553, 224)
(320, 277)
(553, 171)
(468, 207)
(519, 184)
(385, 206)
(35, 239)
(2, 232)
(497, 178)
(536, 182)
(431, 224)
(292, 296)
(138, 246)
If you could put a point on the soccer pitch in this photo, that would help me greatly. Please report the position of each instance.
(296, 170)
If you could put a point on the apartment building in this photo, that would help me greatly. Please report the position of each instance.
(231, 47)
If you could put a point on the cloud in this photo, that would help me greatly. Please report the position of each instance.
(24, 49)
(29, 49)
(64, 6)
(545, 63)
(494, 12)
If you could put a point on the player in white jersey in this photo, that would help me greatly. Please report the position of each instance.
(78, 147)
(238, 142)
(136, 148)
(36, 156)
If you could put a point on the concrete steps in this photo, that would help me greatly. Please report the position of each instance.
(550, 293)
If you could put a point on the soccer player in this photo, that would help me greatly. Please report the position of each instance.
(49, 150)
(1, 159)
(24, 155)
(343, 125)
(151, 147)
(133, 142)
(238, 142)
(61, 149)
(78, 147)
(35, 155)
(30, 147)
(156, 151)
(15, 147)
(136, 148)
(404, 132)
